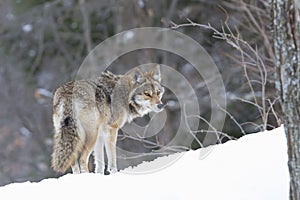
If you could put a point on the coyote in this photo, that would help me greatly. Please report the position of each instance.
(87, 115)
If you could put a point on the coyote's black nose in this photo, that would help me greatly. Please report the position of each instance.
(160, 106)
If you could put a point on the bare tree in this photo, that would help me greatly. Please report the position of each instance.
(286, 22)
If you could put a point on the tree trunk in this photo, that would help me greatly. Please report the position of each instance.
(286, 24)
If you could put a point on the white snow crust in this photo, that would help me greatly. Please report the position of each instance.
(253, 167)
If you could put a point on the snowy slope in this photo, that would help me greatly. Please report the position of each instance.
(251, 168)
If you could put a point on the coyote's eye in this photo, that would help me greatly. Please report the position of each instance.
(158, 92)
(146, 93)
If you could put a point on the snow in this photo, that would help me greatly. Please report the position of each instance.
(253, 167)
(27, 28)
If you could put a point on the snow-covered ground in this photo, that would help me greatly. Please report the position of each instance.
(253, 167)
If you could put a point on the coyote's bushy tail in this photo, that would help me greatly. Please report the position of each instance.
(67, 142)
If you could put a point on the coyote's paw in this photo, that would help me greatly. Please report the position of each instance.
(112, 171)
(99, 170)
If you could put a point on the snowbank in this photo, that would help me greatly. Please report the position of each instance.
(253, 167)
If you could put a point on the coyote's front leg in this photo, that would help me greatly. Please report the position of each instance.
(110, 141)
(99, 153)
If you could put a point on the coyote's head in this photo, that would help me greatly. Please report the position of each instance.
(147, 91)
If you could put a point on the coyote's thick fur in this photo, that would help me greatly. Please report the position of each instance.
(88, 114)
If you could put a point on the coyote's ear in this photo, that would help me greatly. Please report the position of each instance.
(155, 73)
(137, 76)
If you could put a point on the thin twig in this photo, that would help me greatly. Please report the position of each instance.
(233, 119)
(214, 130)
(271, 109)
(187, 125)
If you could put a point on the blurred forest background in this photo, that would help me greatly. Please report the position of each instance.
(43, 43)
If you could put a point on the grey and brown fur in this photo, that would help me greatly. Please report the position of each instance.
(87, 115)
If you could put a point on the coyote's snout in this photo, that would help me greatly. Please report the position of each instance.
(88, 114)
